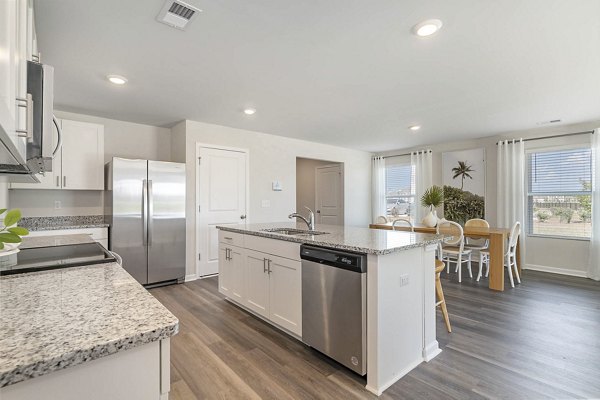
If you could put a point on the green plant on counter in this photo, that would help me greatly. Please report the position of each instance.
(10, 232)
(433, 197)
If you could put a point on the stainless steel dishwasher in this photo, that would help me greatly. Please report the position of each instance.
(334, 305)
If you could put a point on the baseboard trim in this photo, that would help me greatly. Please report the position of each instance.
(191, 277)
(554, 270)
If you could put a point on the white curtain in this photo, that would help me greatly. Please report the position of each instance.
(378, 180)
(594, 260)
(511, 183)
(421, 162)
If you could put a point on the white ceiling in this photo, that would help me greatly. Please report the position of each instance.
(344, 72)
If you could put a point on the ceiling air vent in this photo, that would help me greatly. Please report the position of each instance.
(177, 14)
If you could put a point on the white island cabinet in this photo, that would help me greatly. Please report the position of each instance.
(252, 275)
(262, 272)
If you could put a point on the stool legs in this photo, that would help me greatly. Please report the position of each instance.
(441, 301)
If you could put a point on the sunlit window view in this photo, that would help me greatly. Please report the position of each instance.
(400, 191)
(559, 198)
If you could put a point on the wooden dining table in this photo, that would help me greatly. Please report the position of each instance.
(497, 237)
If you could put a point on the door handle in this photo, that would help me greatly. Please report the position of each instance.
(269, 266)
(150, 212)
(65, 181)
(144, 212)
(264, 265)
(318, 211)
(243, 216)
(58, 181)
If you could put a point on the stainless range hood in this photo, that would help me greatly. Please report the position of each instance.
(22, 166)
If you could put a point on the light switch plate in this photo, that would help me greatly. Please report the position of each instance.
(276, 185)
(57, 205)
(403, 280)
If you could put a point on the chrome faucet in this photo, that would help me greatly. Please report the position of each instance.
(310, 222)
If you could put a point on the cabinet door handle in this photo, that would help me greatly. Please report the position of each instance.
(58, 181)
(269, 266)
(65, 181)
(264, 265)
(27, 104)
(228, 254)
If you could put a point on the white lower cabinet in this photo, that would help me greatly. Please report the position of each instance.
(231, 271)
(285, 293)
(257, 283)
(268, 285)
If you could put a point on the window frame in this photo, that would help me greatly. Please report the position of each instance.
(529, 196)
(401, 161)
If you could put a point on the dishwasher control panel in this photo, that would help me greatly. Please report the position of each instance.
(341, 259)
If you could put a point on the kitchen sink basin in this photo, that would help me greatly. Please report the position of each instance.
(294, 232)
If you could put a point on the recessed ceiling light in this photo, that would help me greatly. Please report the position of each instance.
(117, 79)
(414, 127)
(427, 28)
(249, 111)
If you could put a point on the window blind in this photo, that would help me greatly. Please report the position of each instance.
(559, 192)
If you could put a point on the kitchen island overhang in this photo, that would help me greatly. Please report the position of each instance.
(401, 325)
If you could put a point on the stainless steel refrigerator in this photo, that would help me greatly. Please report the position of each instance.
(145, 207)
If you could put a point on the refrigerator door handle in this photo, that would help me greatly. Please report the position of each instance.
(150, 212)
(144, 211)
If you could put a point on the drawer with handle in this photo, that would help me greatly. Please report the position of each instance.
(232, 238)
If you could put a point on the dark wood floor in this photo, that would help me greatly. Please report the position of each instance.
(539, 340)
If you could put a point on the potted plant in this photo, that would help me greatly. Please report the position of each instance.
(10, 234)
(432, 198)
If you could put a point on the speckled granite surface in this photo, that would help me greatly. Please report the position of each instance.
(65, 222)
(57, 319)
(55, 240)
(362, 240)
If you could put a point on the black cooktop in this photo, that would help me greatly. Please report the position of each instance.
(46, 258)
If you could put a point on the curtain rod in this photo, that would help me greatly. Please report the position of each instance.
(550, 137)
(405, 154)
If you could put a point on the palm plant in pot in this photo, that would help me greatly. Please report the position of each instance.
(432, 198)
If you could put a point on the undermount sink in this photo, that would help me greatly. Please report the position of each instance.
(293, 231)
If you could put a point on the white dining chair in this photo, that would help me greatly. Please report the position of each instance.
(453, 248)
(477, 244)
(382, 219)
(405, 222)
(510, 257)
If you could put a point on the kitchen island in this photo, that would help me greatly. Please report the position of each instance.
(88, 332)
(261, 271)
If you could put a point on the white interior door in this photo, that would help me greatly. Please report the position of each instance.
(221, 200)
(329, 194)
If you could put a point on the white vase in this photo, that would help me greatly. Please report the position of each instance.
(430, 219)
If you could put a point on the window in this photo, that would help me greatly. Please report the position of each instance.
(559, 193)
(399, 189)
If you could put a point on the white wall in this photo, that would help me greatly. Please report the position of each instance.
(305, 183)
(271, 158)
(121, 139)
(554, 255)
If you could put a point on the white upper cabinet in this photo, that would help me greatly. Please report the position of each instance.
(16, 21)
(79, 164)
(82, 155)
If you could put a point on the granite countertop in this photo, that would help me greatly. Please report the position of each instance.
(362, 240)
(55, 240)
(55, 319)
(63, 222)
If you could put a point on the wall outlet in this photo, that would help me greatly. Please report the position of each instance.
(403, 280)
(266, 204)
(57, 205)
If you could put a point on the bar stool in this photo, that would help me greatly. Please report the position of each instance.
(439, 267)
